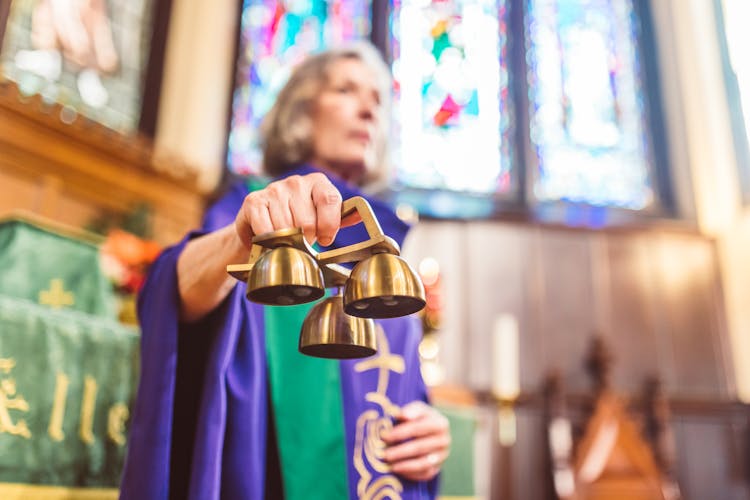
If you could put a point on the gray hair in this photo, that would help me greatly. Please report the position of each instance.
(287, 128)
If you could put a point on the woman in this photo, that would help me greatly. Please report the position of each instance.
(227, 407)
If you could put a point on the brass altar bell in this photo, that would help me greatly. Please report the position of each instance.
(284, 270)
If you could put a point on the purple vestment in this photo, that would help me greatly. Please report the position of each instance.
(201, 410)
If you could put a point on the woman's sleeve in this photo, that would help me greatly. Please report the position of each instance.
(146, 472)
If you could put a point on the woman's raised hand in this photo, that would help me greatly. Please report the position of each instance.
(310, 202)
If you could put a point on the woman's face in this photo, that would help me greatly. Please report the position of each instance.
(345, 120)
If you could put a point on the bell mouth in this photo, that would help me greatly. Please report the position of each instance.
(337, 351)
(328, 332)
(383, 307)
(285, 295)
(285, 276)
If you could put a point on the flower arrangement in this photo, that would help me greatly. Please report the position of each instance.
(432, 314)
(432, 319)
(125, 260)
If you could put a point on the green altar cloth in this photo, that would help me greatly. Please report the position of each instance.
(67, 381)
(49, 267)
(457, 474)
(68, 369)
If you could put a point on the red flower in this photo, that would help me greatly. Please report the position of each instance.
(134, 256)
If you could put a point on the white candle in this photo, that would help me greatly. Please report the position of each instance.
(505, 380)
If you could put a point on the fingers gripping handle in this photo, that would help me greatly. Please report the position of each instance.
(377, 242)
(362, 207)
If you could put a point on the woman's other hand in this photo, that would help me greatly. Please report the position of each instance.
(419, 444)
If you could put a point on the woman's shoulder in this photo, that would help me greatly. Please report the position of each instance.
(225, 206)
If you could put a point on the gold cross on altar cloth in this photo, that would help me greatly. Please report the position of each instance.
(56, 296)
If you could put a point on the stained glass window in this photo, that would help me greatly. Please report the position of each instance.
(451, 106)
(274, 36)
(455, 136)
(89, 57)
(736, 14)
(587, 103)
(732, 16)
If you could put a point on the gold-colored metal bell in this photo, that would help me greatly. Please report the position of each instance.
(328, 332)
(383, 286)
(285, 276)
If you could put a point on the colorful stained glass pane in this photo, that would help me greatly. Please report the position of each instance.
(451, 95)
(587, 113)
(736, 15)
(275, 35)
(90, 57)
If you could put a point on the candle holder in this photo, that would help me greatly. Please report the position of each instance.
(283, 269)
(506, 422)
(506, 381)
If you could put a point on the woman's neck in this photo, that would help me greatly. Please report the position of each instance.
(351, 173)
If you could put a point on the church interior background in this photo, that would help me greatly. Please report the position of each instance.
(580, 172)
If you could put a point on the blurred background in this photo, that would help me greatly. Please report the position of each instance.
(579, 169)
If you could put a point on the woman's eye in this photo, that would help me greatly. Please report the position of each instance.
(344, 89)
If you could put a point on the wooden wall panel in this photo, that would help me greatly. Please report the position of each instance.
(631, 332)
(446, 243)
(76, 170)
(17, 193)
(529, 466)
(73, 211)
(564, 316)
(654, 294)
(497, 282)
(690, 300)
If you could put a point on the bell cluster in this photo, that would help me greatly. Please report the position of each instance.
(284, 270)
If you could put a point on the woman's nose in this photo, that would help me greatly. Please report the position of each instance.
(367, 106)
